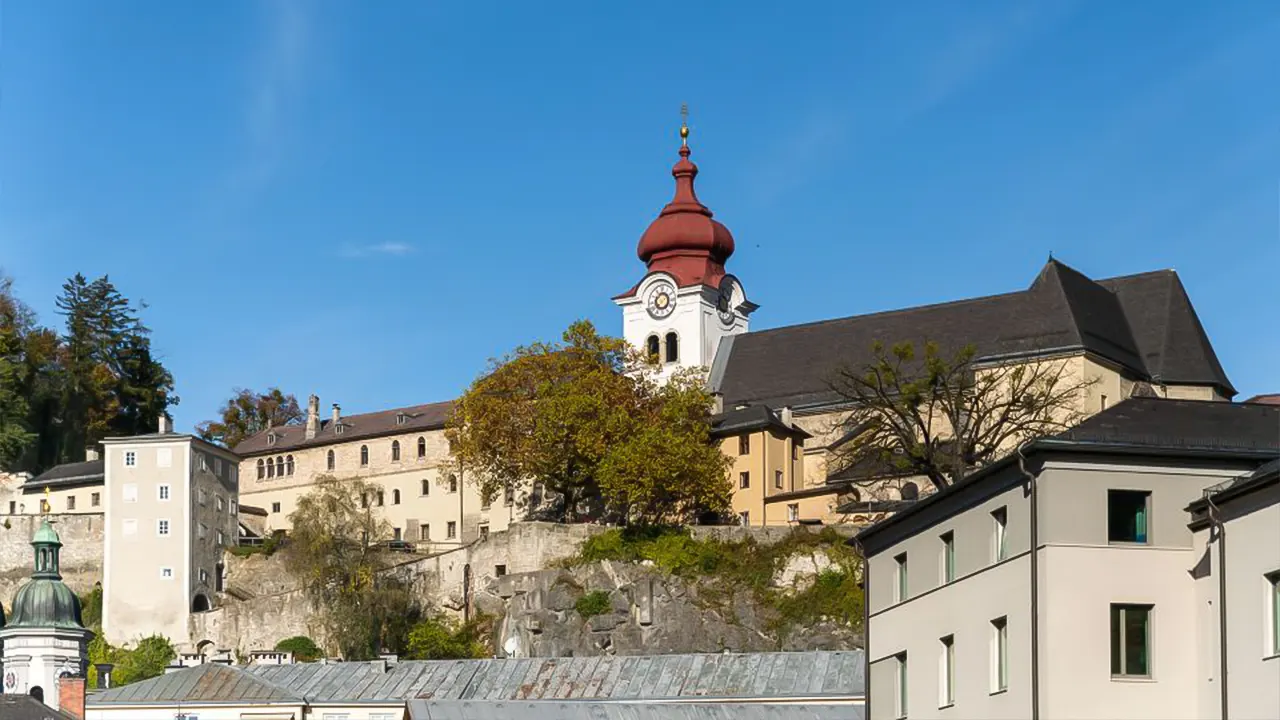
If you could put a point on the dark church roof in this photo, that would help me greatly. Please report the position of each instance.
(25, 707)
(1144, 323)
(1188, 424)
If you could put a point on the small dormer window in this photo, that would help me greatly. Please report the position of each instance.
(337, 429)
(401, 418)
(271, 438)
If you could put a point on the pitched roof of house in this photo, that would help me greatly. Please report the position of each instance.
(207, 683)
(431, 416)
(1144, 323)
(1233, 433)
(552, 710)
(1265, 399)
(750, 419)
(634, 677)
(78, 473)
(25, 707)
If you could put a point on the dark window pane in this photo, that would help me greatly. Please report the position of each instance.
(1127, 516)
(1135, 638)
(1116, 640)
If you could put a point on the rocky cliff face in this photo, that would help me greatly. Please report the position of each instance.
(631, 609)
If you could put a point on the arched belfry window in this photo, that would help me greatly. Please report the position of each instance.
(422, 447)
(364, 455)
(395, 451)
(271, 468)
(330, 460)
(673, 347)
(652, 348)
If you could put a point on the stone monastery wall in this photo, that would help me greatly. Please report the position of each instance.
(81, 556)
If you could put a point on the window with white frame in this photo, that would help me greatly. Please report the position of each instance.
(164, 457)
(219, 502)
(451, 530)
(793, 512)
(1130, 640)
(162, 492)
(948, 557)
(900, 570)
(233, 508)
(999, 655)
(130, 458)
(777, 479)
(166, 573)
(129, 492)
(947, 672)
(1273, 603)
(162, 527)
(1000, 526)
(129, 526)
(900, 699)
(219, 539)
(204, 577)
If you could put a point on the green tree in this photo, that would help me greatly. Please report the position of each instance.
(145, 388)
(335, 548)
(16, 436)
(942, 415)
(304, 649)
(248, 413)
(441, 638)
(583, 420)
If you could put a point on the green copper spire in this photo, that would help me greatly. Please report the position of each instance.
(45, 601)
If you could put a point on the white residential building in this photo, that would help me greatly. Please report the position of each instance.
(1103, 618)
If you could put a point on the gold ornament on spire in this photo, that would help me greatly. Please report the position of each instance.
(45, 505)
(684, 124)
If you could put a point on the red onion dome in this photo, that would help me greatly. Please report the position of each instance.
(684, 240)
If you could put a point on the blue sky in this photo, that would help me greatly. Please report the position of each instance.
(369, 200)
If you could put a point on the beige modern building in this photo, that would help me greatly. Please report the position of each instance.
(170, 507)
(1236, 530)
(403, 452)
(1056, 583)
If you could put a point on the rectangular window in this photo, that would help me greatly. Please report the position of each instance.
(129, 526)
(162, 492)
(382, 498)
(202, 530)
(744, 444)
(95, 499)
(499, 570)
(129, 492)
(901, 570)
(947, 672)
(1273, 580)
(901, 709)
(202, 497)
(275, 507)
(1000, 520)
(130, 458)
(162, 528)
(219, 539)
(744, 518)
(166, 573)
(948, 557)
(424, 532)
(232, 508)
(13, 506)
(426, 487)
(204, 577)
(793, 512)
(71, 502)
(1131, 640)
(395, 534)
(999, 655)
(164, 457)
(777, 479)
(1127, 513)
(744, 480)
(220, 503)
(451, 530)
(484, 531)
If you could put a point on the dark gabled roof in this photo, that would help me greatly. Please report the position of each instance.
(1195, 430)
(202, 684)
(431, 416)
(1265, 399)
(1174, 345)
(1207, 424)
(25, 707)
(751, 419)
(1144, 323)
(79, 473)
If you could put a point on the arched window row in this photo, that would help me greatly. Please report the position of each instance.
(283, 465)
(279, 466)
(665, 349)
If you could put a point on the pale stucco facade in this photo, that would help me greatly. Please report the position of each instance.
(1082, 575)
(437, 508)
(170, 509)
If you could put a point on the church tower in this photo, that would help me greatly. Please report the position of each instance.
(45, 642)
(687, 303)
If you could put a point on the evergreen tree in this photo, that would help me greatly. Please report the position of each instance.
(15, 432)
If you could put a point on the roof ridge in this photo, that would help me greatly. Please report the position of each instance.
(898, 311)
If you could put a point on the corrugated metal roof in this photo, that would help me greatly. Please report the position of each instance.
(635, 677)
(551, 710)
(207, 683)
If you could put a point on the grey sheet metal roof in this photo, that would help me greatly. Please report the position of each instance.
(77, 473)
(207, 683)
(469, 710)
(637, 677)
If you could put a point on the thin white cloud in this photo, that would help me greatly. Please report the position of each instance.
(277, 71)
(385, 248)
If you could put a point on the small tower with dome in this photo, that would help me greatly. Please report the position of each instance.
(44, 638)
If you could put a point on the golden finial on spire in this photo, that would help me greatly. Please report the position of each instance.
(684, 123)
(45, 505)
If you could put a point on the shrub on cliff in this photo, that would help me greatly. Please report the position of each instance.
(304, 649)
(442, 638)
(146, 659)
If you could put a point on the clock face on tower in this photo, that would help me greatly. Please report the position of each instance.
(724, 305)
(661, 299)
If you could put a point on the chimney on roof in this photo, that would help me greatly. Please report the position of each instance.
(91, 453)
(165, 425)
(313, 416)
(785, 416)
(337, 413)
(71, 696)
